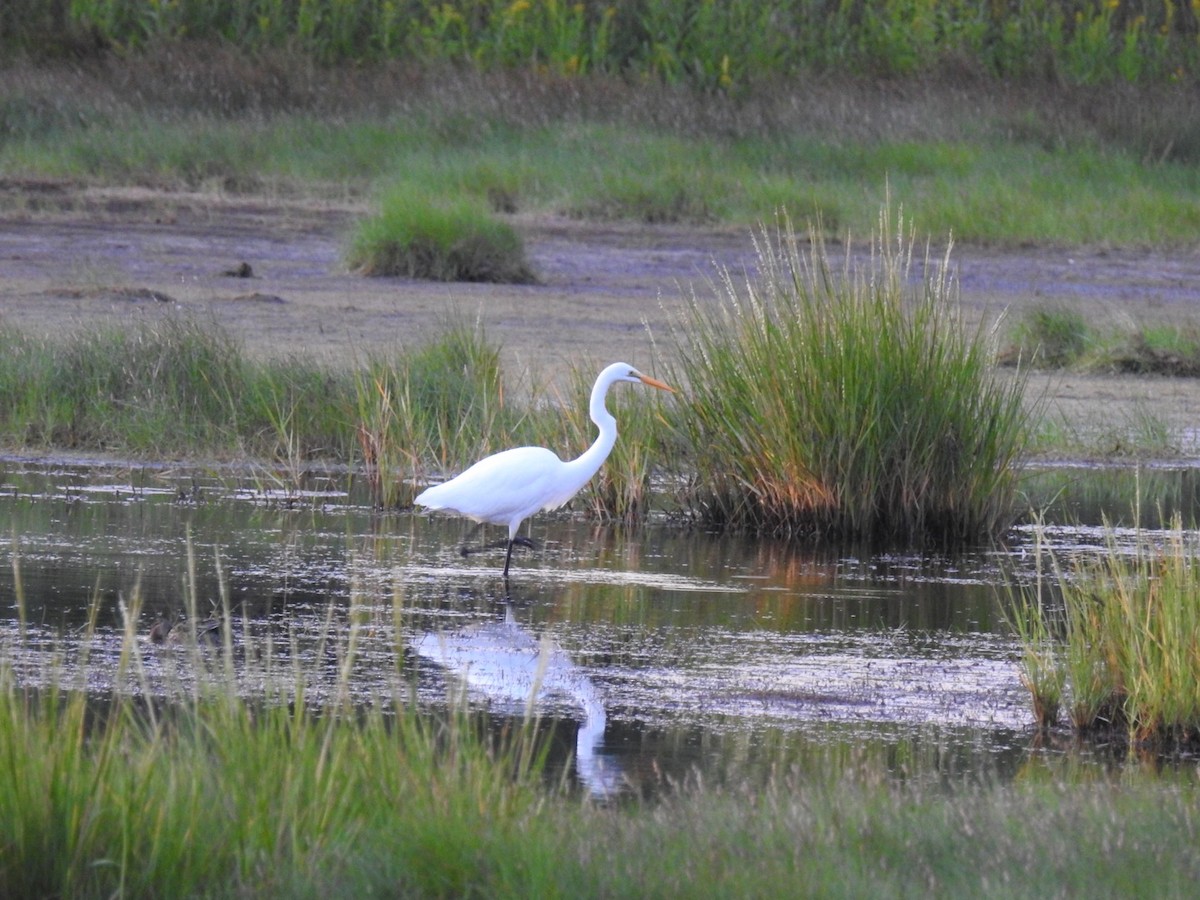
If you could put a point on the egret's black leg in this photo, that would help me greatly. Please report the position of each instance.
(522, 541)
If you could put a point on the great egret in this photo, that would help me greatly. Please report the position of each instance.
(509, 487)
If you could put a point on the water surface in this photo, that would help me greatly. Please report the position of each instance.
(657, 654)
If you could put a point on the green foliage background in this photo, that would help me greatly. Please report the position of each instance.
(719, 45)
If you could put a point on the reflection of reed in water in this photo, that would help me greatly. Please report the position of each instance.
(507, 663)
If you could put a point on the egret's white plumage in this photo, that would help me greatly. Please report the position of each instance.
(509, 487)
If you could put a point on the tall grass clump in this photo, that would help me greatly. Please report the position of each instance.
(440, 405)
(417, 235)
(1128, 632)
(847, 402)
(1059, 338)
(1052, 337)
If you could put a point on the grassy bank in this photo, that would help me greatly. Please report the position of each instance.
(209, 790)
(990, 161)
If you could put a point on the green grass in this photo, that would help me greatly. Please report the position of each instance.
(437, 406)
(1049, 337)
(1062, 338)
(1018, 165)
(170, 385)
(418, 235)
(181, 385)
(1124, 641)
(840, 401)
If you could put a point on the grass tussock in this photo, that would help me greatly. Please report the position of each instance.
(416, 235)
(1062, 338)
(845, 402)
(1120, 651)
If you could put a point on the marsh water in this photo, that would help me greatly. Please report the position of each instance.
(652, 654)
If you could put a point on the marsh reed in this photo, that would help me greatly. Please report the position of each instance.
(1120, 650)
(846, 400)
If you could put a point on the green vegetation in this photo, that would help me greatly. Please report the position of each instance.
(997, 162)
(440, 405)
(1057, 338)
(206, 790)
(178, 384)
(717, 46)
(835, 401)
(1012, 172)
(1120, 649)
(420, 236)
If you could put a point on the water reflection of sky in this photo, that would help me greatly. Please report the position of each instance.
(656, 650)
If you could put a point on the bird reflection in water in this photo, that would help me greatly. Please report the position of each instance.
(506, 662)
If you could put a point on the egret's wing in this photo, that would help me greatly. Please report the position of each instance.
(498, 487)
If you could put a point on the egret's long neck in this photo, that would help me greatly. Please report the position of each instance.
(585, 466)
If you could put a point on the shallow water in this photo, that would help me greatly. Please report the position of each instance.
(661, 653)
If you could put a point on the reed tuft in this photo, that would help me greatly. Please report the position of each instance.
(1127, 636)
(846, 402)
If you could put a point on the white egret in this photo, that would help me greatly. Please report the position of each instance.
(509, 487)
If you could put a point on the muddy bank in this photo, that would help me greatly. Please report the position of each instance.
(272, 273)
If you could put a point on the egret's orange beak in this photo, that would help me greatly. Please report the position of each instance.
(654, 382)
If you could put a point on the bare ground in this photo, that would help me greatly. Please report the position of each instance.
(271, 272)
